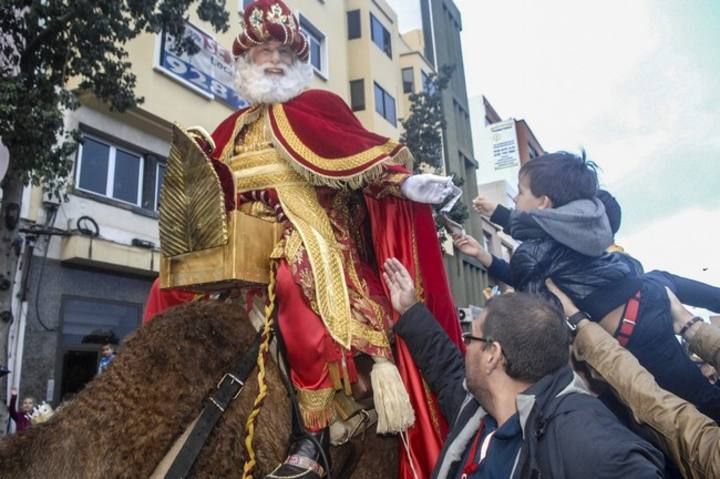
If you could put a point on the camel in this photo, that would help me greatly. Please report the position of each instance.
(123, 423)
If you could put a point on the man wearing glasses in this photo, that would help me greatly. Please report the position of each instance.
(515, 407)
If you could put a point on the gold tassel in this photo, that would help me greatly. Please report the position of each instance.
(392, 403)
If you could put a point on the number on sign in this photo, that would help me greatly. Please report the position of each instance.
(198, 78)
(219, 89)
(176, 65)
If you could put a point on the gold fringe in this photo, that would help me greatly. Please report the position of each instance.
(316, 407)
(355, 181)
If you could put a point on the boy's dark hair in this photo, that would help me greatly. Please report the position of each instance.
(612, 209)
(561, 176)
(532, 333)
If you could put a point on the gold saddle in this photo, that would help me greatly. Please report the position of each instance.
(203, 248)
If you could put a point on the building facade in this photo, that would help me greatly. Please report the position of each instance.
(90, 283)
(442, 25)
(502, 147)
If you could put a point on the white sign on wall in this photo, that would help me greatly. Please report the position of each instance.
(505, 151)
(209, 72)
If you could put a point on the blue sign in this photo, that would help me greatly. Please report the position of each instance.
(209, 72)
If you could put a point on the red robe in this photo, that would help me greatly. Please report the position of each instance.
(325, 142)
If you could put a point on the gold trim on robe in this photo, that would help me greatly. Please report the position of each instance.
(300, 204)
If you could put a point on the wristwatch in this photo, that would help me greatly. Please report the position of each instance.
(572, 321)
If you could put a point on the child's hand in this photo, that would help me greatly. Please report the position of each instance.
(484, 206)
(13, 391)
(468, 245)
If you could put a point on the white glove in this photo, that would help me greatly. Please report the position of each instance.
(429, 188)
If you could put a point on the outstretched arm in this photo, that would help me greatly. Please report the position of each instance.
(12, 407)
(689, 291)
(437, 357)
(703, 338)
(498, 268)
(690, 437)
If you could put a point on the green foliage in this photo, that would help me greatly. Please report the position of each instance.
(424, 126)
(423, 135)
(45, 43)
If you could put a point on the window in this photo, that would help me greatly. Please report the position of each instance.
(106, 169)
(408, 79)
(316, 43)
(385, 104)
(354, 27)
(532, 152)
(86, 324)
(357, 95)
(380, 36)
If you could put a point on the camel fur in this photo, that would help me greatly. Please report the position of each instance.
(124, 421)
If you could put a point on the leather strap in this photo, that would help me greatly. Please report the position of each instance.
(228, 388)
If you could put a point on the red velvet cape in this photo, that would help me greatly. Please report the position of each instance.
(322, 136)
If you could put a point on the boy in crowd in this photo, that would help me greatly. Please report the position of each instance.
(107, 354)
(690, 292)
(565, 232)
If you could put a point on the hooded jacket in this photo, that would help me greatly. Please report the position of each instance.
(568, 245)
(567, 433)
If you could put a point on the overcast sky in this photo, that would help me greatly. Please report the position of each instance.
(636, 83)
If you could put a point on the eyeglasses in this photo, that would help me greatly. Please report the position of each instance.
(469, 338)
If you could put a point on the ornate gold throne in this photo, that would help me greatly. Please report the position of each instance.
(203, 247)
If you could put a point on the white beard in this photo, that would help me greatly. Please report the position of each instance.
(257, 87)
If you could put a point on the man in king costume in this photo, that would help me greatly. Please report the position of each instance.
(345, 201)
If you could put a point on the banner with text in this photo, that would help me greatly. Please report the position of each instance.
(505, 151)
(209, 72)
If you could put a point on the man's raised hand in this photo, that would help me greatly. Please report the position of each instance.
(401, 285)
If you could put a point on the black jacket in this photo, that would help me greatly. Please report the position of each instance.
(567, 433)
(568, 245)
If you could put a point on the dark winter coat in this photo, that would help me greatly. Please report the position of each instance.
(567, 433)
(568, 245)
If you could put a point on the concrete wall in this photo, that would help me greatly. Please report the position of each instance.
(40, 358)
